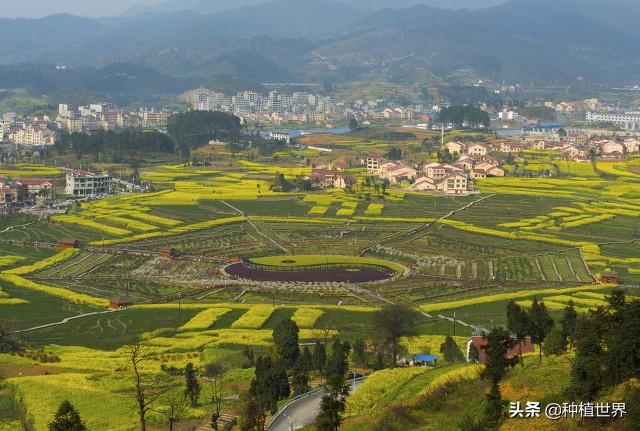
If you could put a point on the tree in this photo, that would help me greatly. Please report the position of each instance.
(359, 355)
(333, 402)
(319, 356)
(192, 390)
(177, 407)
(67, 418)
(541, 323)
(554, 343)
(285, 339)
(622, 345)
(253, 417)
(260, 398)
(149, 387)
(593, 158)
(394, 322)
(213, 373)
(306, 359)
(450, 350)
(518, 322)
(394, 153)
(428, 146)
(300, 378)
(385, 185)
(474, 354)
(279, 382)
(280, 183)
(461, 116)
(269, 385)
(353, 123)
(632, 398)
(9, 342)
(568, 324)
(586, 371)
(445, 156)
(116, 146)
(196, 128)
(499, 342)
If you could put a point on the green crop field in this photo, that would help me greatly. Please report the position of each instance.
(305, 260)
(529, 238)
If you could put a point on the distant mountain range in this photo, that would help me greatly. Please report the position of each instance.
(338, 40)
(206, 7)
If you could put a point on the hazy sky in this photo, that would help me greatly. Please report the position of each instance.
(40, 8)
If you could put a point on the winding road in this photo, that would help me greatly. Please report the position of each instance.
(301, 412)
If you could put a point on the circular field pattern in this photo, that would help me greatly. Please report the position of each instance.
(315, 269)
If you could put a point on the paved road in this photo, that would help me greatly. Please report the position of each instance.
(301, 413)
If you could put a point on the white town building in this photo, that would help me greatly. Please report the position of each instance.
(83, 183)
(627, 120)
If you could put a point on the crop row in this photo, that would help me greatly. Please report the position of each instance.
(255, 318)
(204, 319)
(58, 292)
(101, 227)
(307, 317)
(9, 260)
(508, 296)
(44, 263)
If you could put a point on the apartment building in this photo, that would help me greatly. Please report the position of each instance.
(626, 120)
(84, 183)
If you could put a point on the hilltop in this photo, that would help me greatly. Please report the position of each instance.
(330, 39)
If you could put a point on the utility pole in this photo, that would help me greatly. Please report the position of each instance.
(454, 323)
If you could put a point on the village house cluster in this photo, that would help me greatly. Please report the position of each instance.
(22, 192)
(40, 131)
(578, 147)
(605, 149)
(449, 179)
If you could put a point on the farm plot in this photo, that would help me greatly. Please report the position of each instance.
(254, 318)
(204, 319)
(80, 265)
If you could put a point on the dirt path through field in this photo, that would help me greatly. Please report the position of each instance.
(64, 321)
(253, 225)
(10, 228)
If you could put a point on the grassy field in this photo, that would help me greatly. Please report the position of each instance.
(305, 260)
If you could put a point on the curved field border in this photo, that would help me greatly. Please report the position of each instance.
(307, 260)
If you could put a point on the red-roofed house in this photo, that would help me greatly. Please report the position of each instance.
(478, 173)
(328, 178)
(479, 342)
(39, 189)
(477, 150)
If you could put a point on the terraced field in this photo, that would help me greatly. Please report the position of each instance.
(531, 238)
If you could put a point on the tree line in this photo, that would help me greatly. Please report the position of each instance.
(605, 342)
(195, 129)
(466, 116)
(116, 146)
(185, 131)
